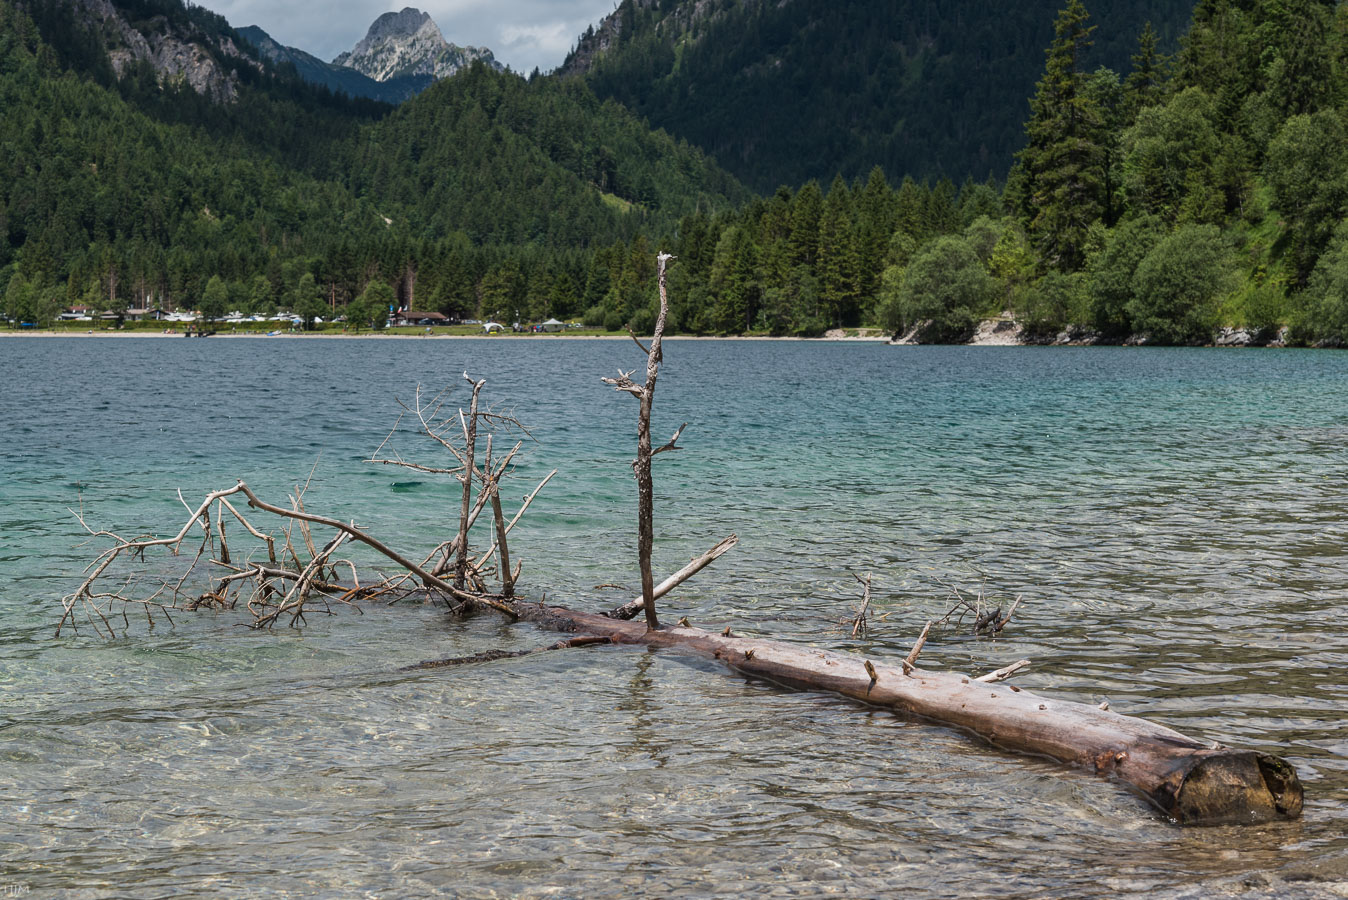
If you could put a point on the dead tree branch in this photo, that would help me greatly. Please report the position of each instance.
(859, 623)
(697, 564)
(298, 571)
(1005, 672)
(642, 465)
(469, 447)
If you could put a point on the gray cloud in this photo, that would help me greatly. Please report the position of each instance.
(522, 33)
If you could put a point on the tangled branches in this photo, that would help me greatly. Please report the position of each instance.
(278, 575)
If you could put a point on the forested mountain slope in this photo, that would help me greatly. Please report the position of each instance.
(141, 187)
(510, 160)
(1204, 191)
(782, 91)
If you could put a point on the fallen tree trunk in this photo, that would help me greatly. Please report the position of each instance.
(1193, 783)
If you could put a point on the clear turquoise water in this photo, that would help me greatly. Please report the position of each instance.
(1174, 518)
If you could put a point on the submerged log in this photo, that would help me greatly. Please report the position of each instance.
(1191, 782)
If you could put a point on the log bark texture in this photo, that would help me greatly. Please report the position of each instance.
(1189, 781)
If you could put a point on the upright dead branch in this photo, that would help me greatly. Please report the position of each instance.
(642, 465)
(507, 581)
(859, 624)
(469, 445)
(485, 477)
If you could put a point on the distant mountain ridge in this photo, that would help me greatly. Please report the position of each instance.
(337, 78)
(409, 43)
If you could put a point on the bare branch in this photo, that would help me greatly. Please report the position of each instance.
(670, 445)
(624, 383)
(629, 610)
(911, 659)
(469, 448)
(1002, 622)
(859, 624)
(637, 340)
(486, 557)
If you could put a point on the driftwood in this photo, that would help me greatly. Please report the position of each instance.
(1189, 781)
(297, 572)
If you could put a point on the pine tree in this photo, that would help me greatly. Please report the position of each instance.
(838, 259)
(1064, 157)
(1144, 83)
(910, 210)
(805, 211)
(733, 282)
(1293, 31)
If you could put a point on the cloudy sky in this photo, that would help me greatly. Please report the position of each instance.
(522, 33)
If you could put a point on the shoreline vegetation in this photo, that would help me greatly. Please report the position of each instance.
(1198, 190)
(994, 332)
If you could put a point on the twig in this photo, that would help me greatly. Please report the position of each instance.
(486, 557)
(1006, 672)
(637, 340)
(670, 445)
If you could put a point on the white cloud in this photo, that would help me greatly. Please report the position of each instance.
(550, 41)
(521, 33)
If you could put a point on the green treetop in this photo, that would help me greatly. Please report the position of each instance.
(214, 300)
(1064, 157)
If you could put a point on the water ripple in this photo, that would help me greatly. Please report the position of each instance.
(1172, 518)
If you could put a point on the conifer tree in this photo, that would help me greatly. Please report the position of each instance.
(1064, 157)
(805, 211)
(910, 209)
(942, 211)
(733, 283)
(875, 225)
(1299, 74)
(1144, 83)
(838, 257)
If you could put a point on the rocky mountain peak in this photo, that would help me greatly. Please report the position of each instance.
(400, 24)
(409, 43)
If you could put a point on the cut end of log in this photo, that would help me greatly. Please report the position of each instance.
(1234, 787)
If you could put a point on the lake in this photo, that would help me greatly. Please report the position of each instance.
(1174, 519)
